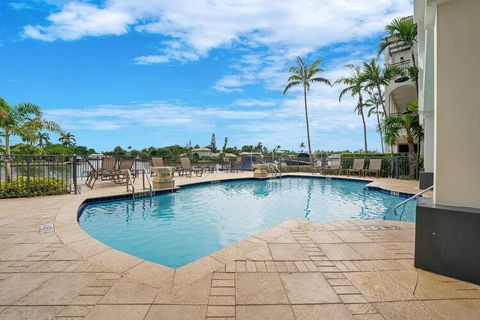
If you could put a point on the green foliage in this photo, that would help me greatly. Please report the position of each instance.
(24, 120)
(247, 148)
(67, 139)
(213, 144)
(60, 149)
(401, 31)
(233, 150)
(38, 187)
(25, 149)
(225, 142)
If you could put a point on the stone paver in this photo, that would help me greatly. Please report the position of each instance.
(304, 288)
(260, 288)
(296, 270)
(322, 312)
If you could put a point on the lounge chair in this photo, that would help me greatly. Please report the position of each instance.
(375, 166)
(319, 168)
(334, 168)
(109, 164)
(187, 168)
(357, 167)
(157, 162)
(105, 172)
(120, 176)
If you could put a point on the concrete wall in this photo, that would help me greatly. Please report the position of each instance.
(457, 114)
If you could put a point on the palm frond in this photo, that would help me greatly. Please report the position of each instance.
(321, 80)
(291, 85)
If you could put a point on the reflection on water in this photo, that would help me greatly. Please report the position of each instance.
(309, 197)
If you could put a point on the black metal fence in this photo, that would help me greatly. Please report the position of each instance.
(39, 175)
(30, 175)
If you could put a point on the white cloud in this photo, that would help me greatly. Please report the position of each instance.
(253, 103)
(196, 27)
(77, 20)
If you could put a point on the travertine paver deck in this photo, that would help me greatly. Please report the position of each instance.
(296, 270)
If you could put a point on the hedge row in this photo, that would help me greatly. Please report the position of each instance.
(38, 187)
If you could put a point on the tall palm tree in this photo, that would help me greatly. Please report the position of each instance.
(373, 103)
(375, 78)
(67, 139)
(353, 84)
(402, 32)
(43, 138)
(408, 121)
(305, 75)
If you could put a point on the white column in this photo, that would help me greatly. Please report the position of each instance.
(428, 101)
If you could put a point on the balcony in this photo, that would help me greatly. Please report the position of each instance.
(403, 68)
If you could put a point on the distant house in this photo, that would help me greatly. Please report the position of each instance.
(203, 152)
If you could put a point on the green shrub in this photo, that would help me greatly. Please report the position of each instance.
(38, 187)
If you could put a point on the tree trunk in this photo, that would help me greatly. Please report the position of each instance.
(308, 127)
(360, 110)
(380, 96)
(412, 159)
(380, 131)
(414, 63)
(364, 132)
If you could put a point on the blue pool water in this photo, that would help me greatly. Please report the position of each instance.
(175, 229)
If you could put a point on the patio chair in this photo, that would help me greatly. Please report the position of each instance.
(157, 162)
(334, 168)
(187, 168)
(104, 172)
(374, 166)
(109, 165)
(319, 168)
(357, 167)
(120, 175)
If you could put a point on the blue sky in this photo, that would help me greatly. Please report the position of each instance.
(153, 72)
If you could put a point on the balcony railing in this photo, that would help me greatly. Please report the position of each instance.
(402, 65)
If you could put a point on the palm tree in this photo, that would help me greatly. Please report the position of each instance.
(23, 120)
(375, 78)
(43, 138)
(354, 85)
(305, 75)
(67, 139)
(402, 32)
(408, 121)
(373, 102)
(302, 146)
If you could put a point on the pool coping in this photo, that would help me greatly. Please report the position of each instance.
(71, 234)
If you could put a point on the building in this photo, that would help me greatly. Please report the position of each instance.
(448, 225)
(400, 92)
(203, 152)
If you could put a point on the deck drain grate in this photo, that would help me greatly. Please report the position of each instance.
(46, 228)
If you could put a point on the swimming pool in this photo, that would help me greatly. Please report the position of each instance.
(175, 229)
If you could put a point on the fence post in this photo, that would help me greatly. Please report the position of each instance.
(74, 168)
(28, 175)
(396, 167)
(135, 166)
